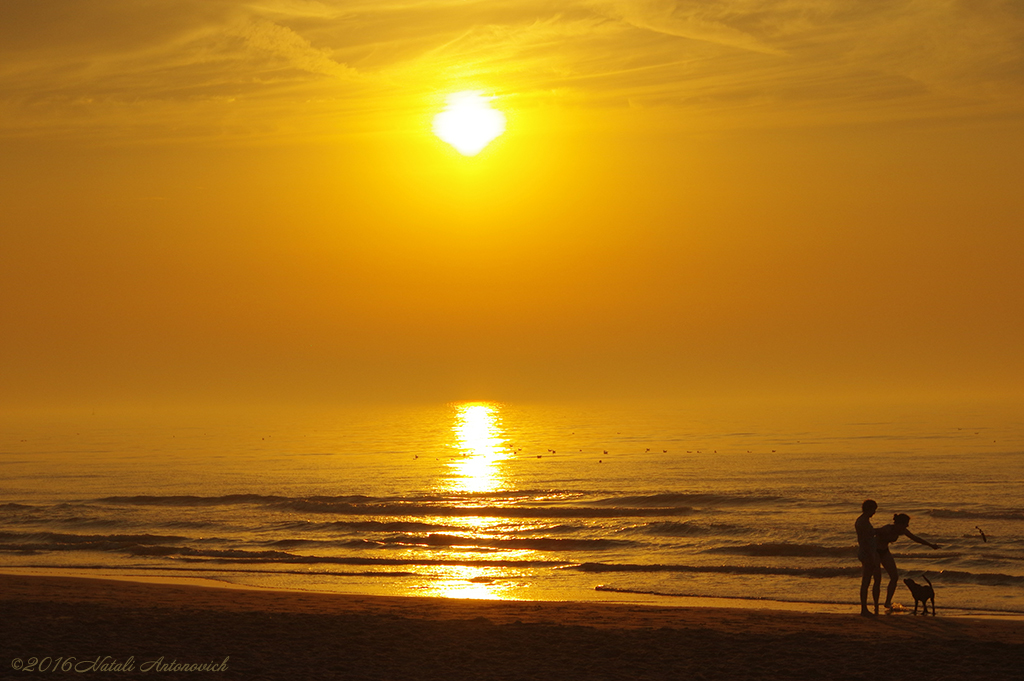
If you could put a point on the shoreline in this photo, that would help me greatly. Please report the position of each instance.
(315, 635)
(617, 597)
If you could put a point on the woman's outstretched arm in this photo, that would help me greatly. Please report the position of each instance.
(919, 540)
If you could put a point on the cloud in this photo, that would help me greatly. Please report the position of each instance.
(748, 61)
(298, 8)
(683, 20)
(833, 61)
(116, 67)
(293, 48)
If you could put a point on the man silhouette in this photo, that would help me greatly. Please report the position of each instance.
(867, 552)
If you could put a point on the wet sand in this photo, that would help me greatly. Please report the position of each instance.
(312, 636)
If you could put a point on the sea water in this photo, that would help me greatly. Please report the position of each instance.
(511, 501)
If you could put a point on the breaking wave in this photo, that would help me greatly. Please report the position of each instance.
(457, 507)
(685, 500)
(786, 549)
(976, 515)
(670, 528)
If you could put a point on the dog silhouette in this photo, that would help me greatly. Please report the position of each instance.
(922, 593)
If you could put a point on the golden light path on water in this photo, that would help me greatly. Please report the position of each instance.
(480, 440)
(482, 449)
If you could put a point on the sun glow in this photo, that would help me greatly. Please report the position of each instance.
(469, 123)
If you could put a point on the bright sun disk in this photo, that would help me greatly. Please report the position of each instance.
(469, 123)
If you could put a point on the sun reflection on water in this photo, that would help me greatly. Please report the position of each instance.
(471, 581)
(478, 467)
(479, 439)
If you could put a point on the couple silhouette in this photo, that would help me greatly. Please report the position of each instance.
(873, 552)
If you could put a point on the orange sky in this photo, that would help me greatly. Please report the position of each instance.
(243, 201)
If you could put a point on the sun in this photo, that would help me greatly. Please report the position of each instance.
(469, 123)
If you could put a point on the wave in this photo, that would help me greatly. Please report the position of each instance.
(265, 499)
(70, 522)
(644, 592)
(113, 545)
(276, 557)
(363, 526)
(787, 550)
(815, 572)
(84, 522)
(190, 500)
(684, 500)
(421, 510)
(189, 525)
(203, 570)
(561, 528)
(669, 594)
(980, 578)
(537, 544)
(975, 515)
(415, 507)
(169, 546)
(670, 528)
(451, 541)
(260, 556)
(59, 538)
(949, 576)
(279, 552)
(317, 544)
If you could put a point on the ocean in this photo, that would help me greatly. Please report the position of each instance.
(647, 503)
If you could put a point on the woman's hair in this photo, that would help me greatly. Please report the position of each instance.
(901, 519)
(868, 504)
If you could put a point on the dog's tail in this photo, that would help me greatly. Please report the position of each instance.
(926, 579)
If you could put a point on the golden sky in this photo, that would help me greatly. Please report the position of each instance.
(227, 200)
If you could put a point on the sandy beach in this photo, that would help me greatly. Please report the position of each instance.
(131, 629)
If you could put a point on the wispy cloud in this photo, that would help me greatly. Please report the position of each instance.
(759, 59)
(692, 21)
(292, 48)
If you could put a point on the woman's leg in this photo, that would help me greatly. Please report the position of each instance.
(877, 571)
(889, 563)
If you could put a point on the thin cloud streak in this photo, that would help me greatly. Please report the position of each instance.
(73, 65)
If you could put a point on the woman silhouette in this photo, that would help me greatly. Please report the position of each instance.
(886, 535)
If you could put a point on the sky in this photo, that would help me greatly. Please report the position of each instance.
(217, 200)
